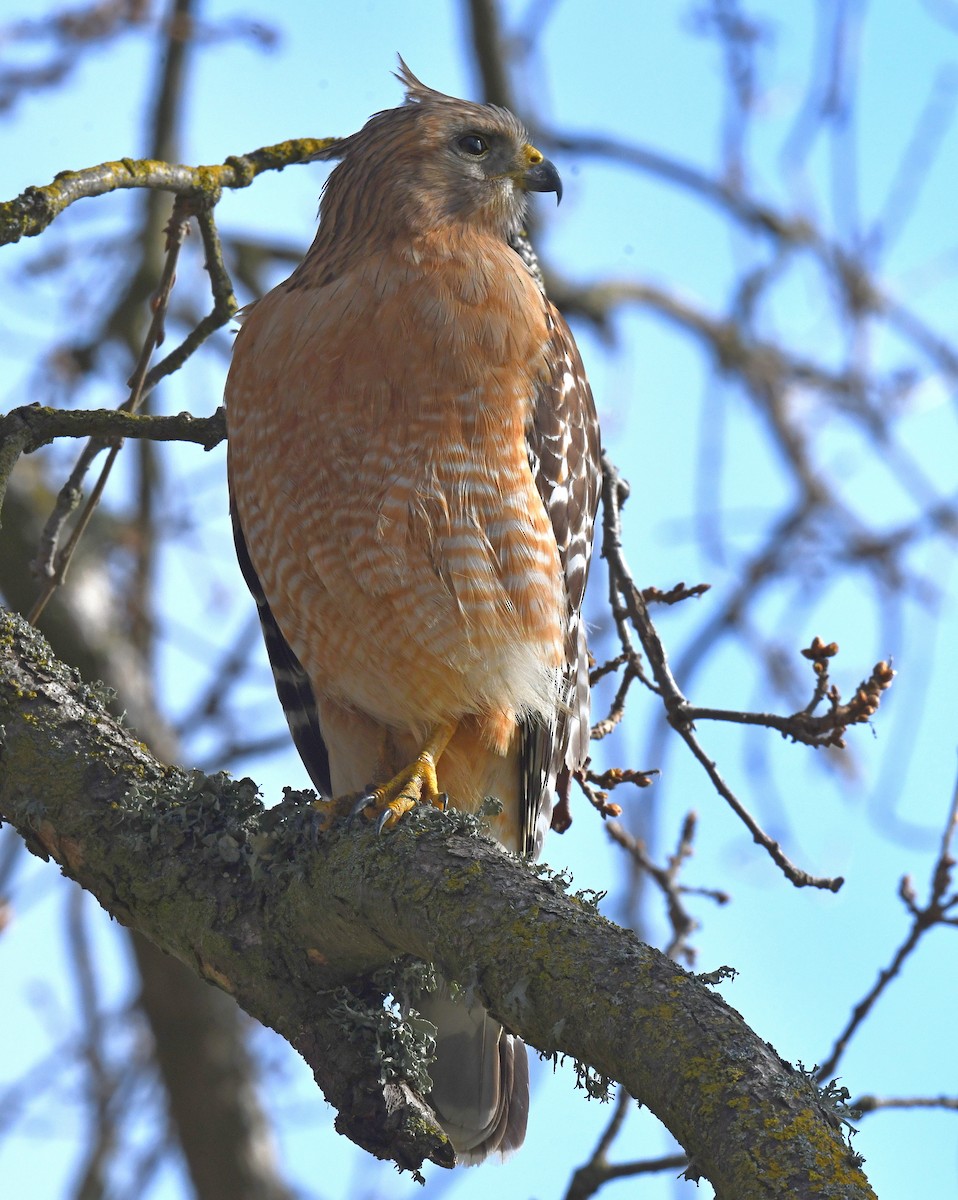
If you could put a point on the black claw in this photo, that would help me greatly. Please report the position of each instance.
(443, 799)
(383, 818)
(361, 805)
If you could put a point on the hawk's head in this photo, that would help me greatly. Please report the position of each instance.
(435, 161)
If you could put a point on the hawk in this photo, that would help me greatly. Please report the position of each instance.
(414, 476)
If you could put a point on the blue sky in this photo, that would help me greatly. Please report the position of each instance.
(633, 71)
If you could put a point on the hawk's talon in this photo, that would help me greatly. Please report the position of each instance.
(414, 784)
(361, 805)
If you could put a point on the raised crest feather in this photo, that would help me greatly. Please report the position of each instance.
(416, 90)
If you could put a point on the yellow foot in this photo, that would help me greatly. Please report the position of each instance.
(328, 812)
(415, 784)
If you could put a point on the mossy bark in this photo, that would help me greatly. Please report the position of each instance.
(292, 920)
(32, 211)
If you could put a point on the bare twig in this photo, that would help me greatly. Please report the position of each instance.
(630, 612)
(598, 1171)
(32, 426)
(825, 729)
(596, 786)
(939, 910)
(596, 797)
(666, 879)
(616, 776)
(675, 595)
(51, 563)
(869, 1104)
(616, 711)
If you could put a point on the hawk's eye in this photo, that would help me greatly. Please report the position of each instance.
(472, 143)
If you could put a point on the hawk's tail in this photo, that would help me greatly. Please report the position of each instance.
(480, 1078)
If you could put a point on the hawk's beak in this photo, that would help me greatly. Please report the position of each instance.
(540, 175)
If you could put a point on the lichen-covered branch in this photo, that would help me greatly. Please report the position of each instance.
(32, 211)
(292, 922)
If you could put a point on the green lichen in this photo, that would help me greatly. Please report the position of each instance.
(193, 810)
(587, 1079)
(719, 975)
(401, 1045)
(561, 880)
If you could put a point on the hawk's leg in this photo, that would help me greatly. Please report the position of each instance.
(414, 784)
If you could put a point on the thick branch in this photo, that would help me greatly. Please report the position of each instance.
(281, 922)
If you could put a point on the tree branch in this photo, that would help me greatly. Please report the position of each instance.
(940, 910)
(24, 430)
(292, 922)
(630, 611)
(34, 209)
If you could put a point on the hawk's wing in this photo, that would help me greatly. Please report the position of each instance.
(292, 683)
(563, 446)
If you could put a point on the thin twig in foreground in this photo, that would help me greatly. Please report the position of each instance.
(631, 612)
(936, 912)
(55, 565)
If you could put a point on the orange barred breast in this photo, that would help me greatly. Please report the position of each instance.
(378, 463)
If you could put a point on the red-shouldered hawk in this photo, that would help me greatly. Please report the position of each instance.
(413, 462)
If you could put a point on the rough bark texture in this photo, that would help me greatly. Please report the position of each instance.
(291, 921)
